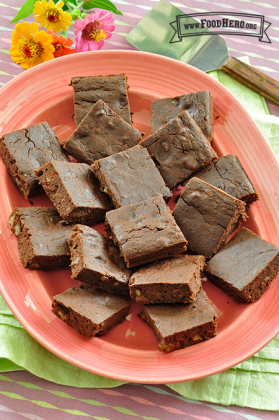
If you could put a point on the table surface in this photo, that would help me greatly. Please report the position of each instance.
(23, 395)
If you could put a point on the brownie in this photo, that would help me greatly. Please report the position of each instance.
(179, 148)
(145, 231)
(90, 312)
(245, 266)
(229, 175)
(111, 88)
(181, 325)
(97, 261)
(173, 280)
(41, 238)
(130, 176)
(101, 133)
(28, 149)
(207, 216)
(199, 105)
(74, 190)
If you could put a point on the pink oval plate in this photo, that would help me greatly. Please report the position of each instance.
(128, 352)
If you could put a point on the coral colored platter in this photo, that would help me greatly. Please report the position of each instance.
(128, 352)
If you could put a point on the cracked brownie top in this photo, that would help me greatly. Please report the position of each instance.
(111, 88)
(101, 133)
(145, 231)
(229, 175)
(28, 149)
(179, 148)
(130, 176)
(207, 216)
(198, 104)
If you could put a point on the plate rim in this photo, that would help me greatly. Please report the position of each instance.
(247, 116)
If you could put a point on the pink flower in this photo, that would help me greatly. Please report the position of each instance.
(93, 30)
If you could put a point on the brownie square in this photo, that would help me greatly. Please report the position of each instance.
(245, 266)
(172, 280)
(145, 231)
(229, 175)
(101, 133)
(181, 325)
(130, 176)
(74, 190)
(97, 261)
(179, 148)
(90, 312)
(41, 238)
(207, 216)
(28, 149)
(199, 105)
(112, 89)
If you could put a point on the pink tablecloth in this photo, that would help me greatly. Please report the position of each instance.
(24, 396)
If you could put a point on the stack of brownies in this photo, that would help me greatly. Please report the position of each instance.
(126, 181)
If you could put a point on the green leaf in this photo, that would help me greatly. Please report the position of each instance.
(26, 10)
(102, 4)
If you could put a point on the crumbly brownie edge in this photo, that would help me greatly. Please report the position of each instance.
(14, 173)
(27, 255)
(96, 167)
(208, 131)
(239, 214)
(85, 326)
(163, 293)
(252, 291)
(96, 280)
(168, 292)
(51, 183)
(181, 339)
(160, 254)
(57, 193)
(24, 244)
(188, 338)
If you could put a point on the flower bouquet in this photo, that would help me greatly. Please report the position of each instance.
(32, 46)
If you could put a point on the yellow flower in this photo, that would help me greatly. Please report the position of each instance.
(30, 46)
(52, 16)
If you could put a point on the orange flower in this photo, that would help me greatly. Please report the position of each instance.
(30, 46)
(61, 45)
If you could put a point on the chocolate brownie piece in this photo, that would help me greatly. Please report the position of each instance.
(199, 105)
(101, 133)
(245, 266)
(207, 216)
(229, 175)
(111, 88)
(97, 261)
(172, 280)
(179, 148)
(28, 149)
(90, 312)
(41, 238)
(74, 190)
(181, 325)
(145, 231)
(130, 176)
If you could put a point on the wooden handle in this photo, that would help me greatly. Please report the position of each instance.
(253, 78)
